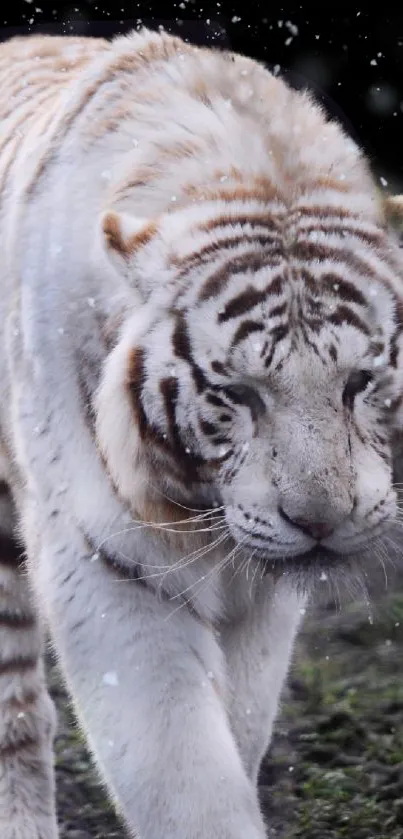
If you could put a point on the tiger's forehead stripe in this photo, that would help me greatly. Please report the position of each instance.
(322, 246)
(314, 256)
(248, 298)
(211, 250)
(248, 262)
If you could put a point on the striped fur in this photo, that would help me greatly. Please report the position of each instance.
(201, 392)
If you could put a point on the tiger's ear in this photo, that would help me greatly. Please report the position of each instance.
(393, 207)
(124, 235)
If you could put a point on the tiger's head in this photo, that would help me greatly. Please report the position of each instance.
(261, 371)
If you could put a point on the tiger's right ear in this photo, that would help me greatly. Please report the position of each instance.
(124, 235)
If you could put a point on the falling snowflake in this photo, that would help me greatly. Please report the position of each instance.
(110, 679)
(292, 28)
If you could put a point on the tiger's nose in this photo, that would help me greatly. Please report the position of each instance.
(316, 529)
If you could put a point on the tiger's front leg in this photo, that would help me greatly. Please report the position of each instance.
(27, 717)
(257, 649)
(140, 672)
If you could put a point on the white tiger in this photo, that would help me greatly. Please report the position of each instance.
(201, 381)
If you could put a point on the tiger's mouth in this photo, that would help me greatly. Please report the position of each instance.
(317, 564)
(317, 554)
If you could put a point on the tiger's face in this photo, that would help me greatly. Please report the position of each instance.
(270, 383)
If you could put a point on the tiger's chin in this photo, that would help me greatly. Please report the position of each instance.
(318, 565)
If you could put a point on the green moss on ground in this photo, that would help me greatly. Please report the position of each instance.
(342, 721)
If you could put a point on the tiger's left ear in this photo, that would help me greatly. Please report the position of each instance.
(393, 208)
(124, 235)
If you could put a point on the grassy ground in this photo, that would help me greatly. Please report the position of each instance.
(335, 768)
(336, 761)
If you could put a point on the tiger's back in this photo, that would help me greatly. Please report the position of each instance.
(162, 114)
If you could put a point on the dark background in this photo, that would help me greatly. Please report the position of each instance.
(350, 55)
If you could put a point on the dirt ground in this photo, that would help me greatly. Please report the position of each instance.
(335, 766)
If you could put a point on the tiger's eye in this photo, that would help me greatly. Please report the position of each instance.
(242, 394)
(357, 382)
